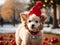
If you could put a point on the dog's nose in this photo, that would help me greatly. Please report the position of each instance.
(33, 25)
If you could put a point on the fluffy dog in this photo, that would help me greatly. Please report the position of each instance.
(29, 31)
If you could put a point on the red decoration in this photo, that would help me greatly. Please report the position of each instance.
(1, 43)
(1, 37)
(44, 43)
(12, 40)
(13, 43)
(6, 42)
(10, 35)
(36, 9)
(54, 40)
(45, 38)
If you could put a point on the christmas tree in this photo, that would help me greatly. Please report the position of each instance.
(31, 4)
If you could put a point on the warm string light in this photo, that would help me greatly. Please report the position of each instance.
(44, 5)
(32, 1)
(51, 1)
(46, 0)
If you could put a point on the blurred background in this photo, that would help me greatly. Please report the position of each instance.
(10, 11)
(10, 19)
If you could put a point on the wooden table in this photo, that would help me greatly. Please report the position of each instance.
(50, 36)
(7, 38)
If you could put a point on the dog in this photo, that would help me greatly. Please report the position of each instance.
(29, 31)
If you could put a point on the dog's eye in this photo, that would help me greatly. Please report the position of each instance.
(36, 21)
(29, 20)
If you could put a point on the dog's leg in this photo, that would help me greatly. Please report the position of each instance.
(18, 41)
(17, 37)
(25, 43)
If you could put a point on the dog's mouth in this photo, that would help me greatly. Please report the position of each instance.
(34, 33)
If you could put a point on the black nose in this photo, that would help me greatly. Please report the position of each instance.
(33, 25)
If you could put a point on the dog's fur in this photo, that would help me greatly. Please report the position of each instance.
(23, 36)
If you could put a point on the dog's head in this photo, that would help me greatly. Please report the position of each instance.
(33, 22)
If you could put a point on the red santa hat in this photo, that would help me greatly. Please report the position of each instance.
(36, 9)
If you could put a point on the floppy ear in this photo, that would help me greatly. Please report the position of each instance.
(43, 18)
(23, 17)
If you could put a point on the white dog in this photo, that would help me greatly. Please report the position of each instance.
(29, 31)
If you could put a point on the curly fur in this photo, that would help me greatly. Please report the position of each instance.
(23, 36)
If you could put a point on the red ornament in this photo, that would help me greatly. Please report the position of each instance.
(12, 40)
(45, 38)
(44, 43)
(54, 40)
(13, 43)
(10, 35)
(6, 43)
(1, 37)
(1, 43)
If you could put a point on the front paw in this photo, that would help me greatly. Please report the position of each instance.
(25, 43)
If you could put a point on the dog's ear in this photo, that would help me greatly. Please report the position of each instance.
(43, 18)
(23, 17)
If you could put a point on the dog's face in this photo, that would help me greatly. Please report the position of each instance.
(33, 22)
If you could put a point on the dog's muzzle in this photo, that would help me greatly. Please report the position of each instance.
(33, 26)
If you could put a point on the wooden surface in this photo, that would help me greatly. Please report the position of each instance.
(7, 39)
(49, 36)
